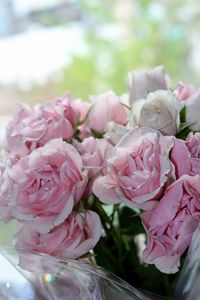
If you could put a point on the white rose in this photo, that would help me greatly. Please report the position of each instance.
(160, 110)
(192, 111)
(114, 132)
(142, 82)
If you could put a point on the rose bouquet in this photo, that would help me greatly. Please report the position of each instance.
(115, 180)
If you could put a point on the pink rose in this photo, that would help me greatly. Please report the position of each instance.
(77, 235)
(185, 155)
(106, 107)
(93, 154)
(137, 169)
(70, 110)
(45, 185)
(82, 107)
(32, 128)
(185, 91)
(171, 224)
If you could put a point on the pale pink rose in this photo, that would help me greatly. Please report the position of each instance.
(82, 107)
(46, 184)
(138, 168)
(31, 128)
(106, 107)
(69, 108)
(93, 154)
(171, 224)
(77, 235)
(185, 91)
(142, 82)
(13, 139)
(185, 155)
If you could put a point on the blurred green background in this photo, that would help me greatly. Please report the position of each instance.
(117, 36)
(107, 39)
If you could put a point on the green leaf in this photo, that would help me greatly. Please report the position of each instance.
(130, 222)
(97, 134)
(184, 131)
(106, 255)
(183, 115)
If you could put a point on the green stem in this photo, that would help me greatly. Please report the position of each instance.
(167, 285)
(113, 232)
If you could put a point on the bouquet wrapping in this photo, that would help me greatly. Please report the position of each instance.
(52, 278)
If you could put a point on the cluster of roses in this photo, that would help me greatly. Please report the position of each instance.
(121, 149)
(43, 181)
(47, 174)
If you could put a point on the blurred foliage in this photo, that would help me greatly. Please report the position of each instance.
(144, 35)
(122, 35)
(7, 232)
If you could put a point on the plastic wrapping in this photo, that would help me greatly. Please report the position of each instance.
(53, 279)
(188, 287)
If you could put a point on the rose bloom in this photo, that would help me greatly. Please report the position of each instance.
(73, 238)
(33, 127)
(142, 82)
(185, 91)
(82, 108)
(93, 154)
(107, 107)
(45, 185)
(69, 108)
(136, 170)
(192, 111)
(160, 110)
(185, 155)
(171, 224)
(114, 132)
